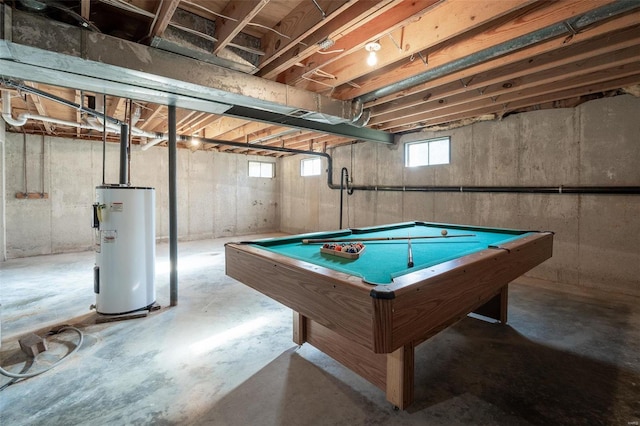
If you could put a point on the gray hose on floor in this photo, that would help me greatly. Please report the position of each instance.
(35, 373)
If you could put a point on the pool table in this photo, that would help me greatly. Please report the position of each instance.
(370, 312)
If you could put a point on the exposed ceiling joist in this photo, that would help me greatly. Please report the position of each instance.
(546, 52)
(299, 23)
(236, 16)
(324, 38)
(166, 9)
(443, 63)
(42, 110)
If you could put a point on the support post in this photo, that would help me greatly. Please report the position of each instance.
(173, 210)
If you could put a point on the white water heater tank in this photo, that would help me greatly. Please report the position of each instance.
(124, 275)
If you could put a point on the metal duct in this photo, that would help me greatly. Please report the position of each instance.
(54, 53)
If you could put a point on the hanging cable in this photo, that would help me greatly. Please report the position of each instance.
(42, 155)
(344, 182)
(24, 160)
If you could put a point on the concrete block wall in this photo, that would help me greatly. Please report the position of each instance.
(597, 241)
(216, 197)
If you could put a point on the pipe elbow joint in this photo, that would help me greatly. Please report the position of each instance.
(20, 121)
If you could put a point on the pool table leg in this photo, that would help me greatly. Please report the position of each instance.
(496, 307)
(299, 328)
(399, 380)
(392, 372)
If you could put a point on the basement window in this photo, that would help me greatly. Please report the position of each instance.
(261, 169)
(310, 167)
(428, 153)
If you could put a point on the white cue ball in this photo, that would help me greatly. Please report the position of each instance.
(444, 232)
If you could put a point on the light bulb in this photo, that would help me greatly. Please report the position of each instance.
(372, 59)
(372, 48)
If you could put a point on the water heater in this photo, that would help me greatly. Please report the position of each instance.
(124, 275)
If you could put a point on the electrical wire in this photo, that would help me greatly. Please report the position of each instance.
(36, 373)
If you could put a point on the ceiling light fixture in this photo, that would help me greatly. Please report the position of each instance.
(372, 48)
(195, 140)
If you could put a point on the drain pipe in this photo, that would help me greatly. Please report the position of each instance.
(159, 137)
(6, 111)
(94, 121)
(58, 99)
(152, 142)
(584, 190)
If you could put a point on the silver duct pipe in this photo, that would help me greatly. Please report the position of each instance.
(593, 17)
(68, 56)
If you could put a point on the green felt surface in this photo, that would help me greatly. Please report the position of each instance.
(383, 260)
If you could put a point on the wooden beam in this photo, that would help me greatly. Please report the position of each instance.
(241, 134)
(552, 13)
(114, 106)
(535, 56)
(78, 100)
(607, 51)
(184, 117)
(270, 132)
(164, 14)
(200, 122)
(359, 13)
(240, 14)
(42, 110)
(616, 63)
(223, 125)
(150, 113)
(300, 22)
(444, 22)
(355, 39)
(85, 9)
(591, 84)
(187, 124)
(202, 125)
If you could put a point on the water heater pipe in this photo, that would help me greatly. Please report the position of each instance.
(124, 150)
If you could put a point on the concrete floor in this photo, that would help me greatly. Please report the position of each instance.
(224, 356)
